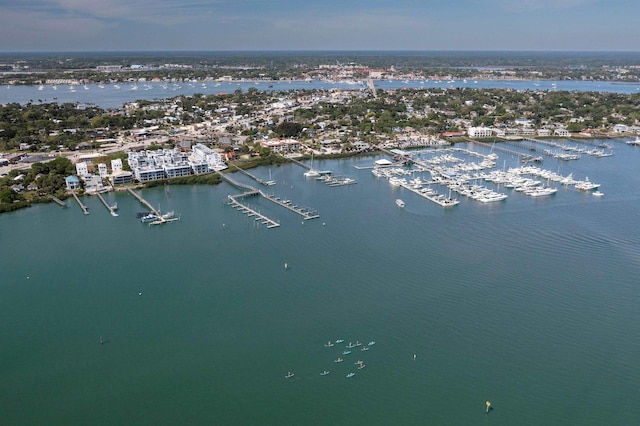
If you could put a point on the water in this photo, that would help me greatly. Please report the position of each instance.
(115, 95)
(528, 303)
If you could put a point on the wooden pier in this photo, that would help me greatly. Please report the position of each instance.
(112, 209)
(57, 200)
(233, 201)
(257, 179)
(84, 208)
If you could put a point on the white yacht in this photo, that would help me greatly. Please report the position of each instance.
(399, 203)
(586, 185)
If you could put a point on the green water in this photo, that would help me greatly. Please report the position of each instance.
(528, 303)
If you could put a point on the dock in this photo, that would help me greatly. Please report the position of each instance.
(112, 209)
(57, 200)
(520, 155)
(433, 196)
(149, 206)
(257, 179)
(234, 201)
(306, 213)
(84, 208)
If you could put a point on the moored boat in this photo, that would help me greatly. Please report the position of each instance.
(399, 203)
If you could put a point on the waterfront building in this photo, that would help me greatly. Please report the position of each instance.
(121, 177)
(102, 170)
(72, 182)
(116, 165)
(82, 169)
(480, 132)
(201, 153)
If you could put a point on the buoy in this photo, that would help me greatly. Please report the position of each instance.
(414, 357)
(139, 294)
(286, 265)
(488, 404)
(28, 278)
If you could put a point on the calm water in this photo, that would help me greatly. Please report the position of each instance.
(114, 96)
(531, 304)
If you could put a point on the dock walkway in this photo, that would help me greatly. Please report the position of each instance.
(112, 209)
(84, 208)
(233, 201)
(57, 200)
(148, 205)
(306, 213)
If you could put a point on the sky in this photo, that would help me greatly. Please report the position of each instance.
(219, 25)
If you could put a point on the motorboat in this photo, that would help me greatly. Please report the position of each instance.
(148, 218)
(346, 352)
(399, 203)
(338, 360)
(350, 375)
(289, 375)
(586, 185)
(371, 343)
(339, 341)
(598, 194)
(328, 345)
(324, 373)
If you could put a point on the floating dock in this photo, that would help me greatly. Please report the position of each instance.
(84, 208)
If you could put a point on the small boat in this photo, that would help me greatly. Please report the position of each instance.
(289, 375)
(371, 343)
(338, 360)
(350, 375)
(340, 341)
(346, 352)
(598, 194)
(358, 343)
(328, 345)
(361, 366)
(366, 348)
(324, 373)
(399, 203)
(148, 218)
(286, 265)
(351, 345)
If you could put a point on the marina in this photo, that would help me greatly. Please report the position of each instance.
(546, 281)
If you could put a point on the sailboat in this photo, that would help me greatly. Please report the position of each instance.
(270, 182)
(312, 172)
